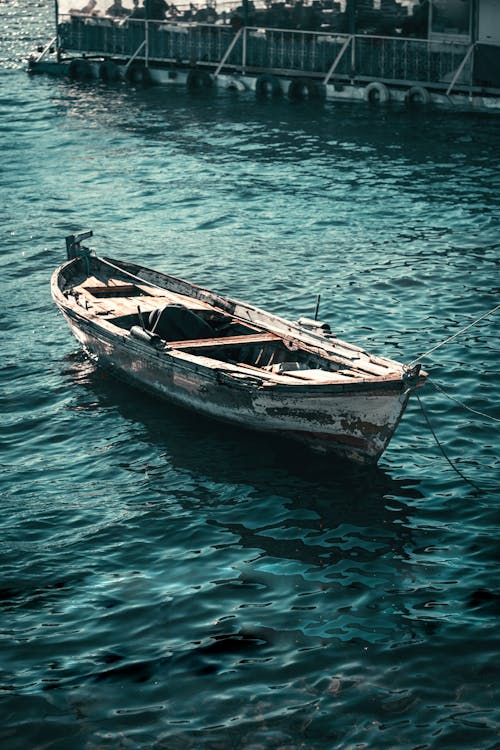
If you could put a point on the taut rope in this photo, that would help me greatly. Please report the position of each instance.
(425, 354)
(469, 408)
(455, 335)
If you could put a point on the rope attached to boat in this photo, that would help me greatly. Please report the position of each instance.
(454, 336)
(129, 273)
(474, 411)
(450, 338)
(455, 468)
(468, 408)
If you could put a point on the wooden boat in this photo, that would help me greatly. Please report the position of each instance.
(229, 360)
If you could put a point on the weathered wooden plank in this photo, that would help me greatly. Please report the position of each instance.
(252, 338)
(121, 305)
(174, 298)
(321, 376)
(217, 364)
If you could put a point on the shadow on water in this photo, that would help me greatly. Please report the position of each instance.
(339, 522)
(339, 490)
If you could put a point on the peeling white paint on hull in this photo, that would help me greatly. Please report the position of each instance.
(355, 426)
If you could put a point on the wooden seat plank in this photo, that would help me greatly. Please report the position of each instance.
(252, 338)
(153, 298)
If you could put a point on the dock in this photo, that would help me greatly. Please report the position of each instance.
(298, 64)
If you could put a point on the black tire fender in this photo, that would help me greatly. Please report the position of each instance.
(267, 87)
(198, 80)
(303, 89)
(80, 69)
(377, 93)
(139, 74)
(109, 71)
(417, 95)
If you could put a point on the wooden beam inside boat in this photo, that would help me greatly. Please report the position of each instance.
(257, 338)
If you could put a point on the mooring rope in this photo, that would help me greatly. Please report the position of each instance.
(454, 336)
(469, 408)
(474, 411)
(455, 468)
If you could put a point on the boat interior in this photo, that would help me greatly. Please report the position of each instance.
(193, 326)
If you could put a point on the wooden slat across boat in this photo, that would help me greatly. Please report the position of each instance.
(229, 360)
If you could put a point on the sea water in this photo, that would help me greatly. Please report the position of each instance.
(167, 582)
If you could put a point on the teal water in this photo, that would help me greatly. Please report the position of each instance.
(169, 583)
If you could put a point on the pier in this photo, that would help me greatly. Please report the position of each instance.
(445, 69)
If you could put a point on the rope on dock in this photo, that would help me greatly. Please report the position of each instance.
(455, 468)
(469, 408)
(454, 336)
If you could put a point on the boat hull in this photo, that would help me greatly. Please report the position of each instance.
(350, 421)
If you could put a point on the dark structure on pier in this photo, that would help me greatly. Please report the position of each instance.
(376, 51)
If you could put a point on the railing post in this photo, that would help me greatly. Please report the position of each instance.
(56, 13)
(353, 57)
(229, 50)
(45, 50)
(459, 70)
(131, 60)
(471, 79)
(244, 51)
(337, 60)
(146, 41)
(350, 10)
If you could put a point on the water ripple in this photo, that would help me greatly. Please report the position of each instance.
(171, 583)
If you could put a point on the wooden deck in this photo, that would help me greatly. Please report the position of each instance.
(110, 298)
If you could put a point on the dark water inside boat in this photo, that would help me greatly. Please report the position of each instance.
(170, 583)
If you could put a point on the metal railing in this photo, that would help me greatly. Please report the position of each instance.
(325, 56)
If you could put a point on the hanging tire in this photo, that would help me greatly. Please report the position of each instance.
(80, 69)
(138, 74)
(267, 87)
(377, 93)
(198, 80)
(417, 95)
(303, 89)
(109, 71)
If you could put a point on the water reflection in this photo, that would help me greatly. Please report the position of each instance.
(320, 544)
(225, 454)
(219, 123)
